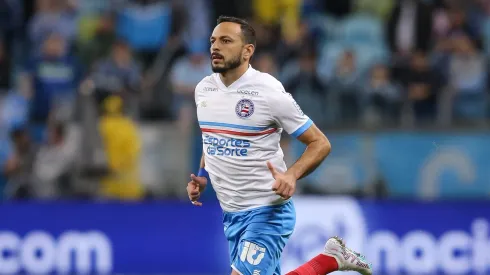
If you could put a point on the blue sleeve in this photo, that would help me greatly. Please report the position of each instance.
(302, 129)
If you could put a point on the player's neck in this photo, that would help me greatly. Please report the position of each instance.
(231, 76)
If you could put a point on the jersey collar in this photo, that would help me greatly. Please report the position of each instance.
(222, 86)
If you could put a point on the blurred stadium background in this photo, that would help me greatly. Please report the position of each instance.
(98, 132)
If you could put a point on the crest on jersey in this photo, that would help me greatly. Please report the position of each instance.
(244, 108)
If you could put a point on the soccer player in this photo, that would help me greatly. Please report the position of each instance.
(242, 113)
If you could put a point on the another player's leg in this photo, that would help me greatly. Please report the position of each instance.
(335, 256)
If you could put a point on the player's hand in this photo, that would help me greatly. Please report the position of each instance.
(285, 184)
(195, 188)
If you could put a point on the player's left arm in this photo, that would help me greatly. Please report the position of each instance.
(288, 114)
(317, 149)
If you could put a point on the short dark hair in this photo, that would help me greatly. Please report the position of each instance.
(248, 31)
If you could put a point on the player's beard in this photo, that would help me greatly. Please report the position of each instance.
(231, 64)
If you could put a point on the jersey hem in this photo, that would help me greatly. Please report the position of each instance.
(257, 207)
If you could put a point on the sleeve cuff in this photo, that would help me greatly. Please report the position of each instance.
(302, 129)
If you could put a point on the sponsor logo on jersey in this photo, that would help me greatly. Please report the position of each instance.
(244, 108)
(226, 146)
(247, 92)
(210, 89)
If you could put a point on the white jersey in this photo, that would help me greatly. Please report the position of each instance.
(241, 128)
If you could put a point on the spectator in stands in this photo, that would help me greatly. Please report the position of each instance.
(410, 27)
(185, 75)
(291, 47)
(122, 148)
(459, 25)
(382, 97)
(117, 74)
(239, 8)
(13, 113)
(14, 110)
(452, 24)
(336, 8)
(197, 27)
(346, 86)
(282, 14)
(308, 89)
(54, 166)
(476, 16)
(92, 7)
(422, 86)
(468, 78)
(409, 31)
(51, 79)
(53, 16)
(440, 21)
(265, 63)
(10, 23)
(467, 70)
(99, 46)
(19, 166)
(380, 8)
(148, 25)
(4, 70)
(268, 36)
(4, 156)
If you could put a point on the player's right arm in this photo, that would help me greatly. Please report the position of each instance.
(198, 183)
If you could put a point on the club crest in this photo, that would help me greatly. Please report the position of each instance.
(244, 108)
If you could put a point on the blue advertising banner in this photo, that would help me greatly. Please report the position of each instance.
(147, 238)
(435, 165)
(422, 165)
(345, 169)
(178, 238)
(397, 237)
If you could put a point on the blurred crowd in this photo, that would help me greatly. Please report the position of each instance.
(109, 65)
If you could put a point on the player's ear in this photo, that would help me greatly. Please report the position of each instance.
(249, 50)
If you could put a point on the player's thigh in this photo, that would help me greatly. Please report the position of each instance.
(259, 253)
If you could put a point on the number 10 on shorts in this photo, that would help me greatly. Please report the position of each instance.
(252, 253)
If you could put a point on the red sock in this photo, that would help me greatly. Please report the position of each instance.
(320, 265)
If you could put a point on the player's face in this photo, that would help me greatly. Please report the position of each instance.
(226, 47)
